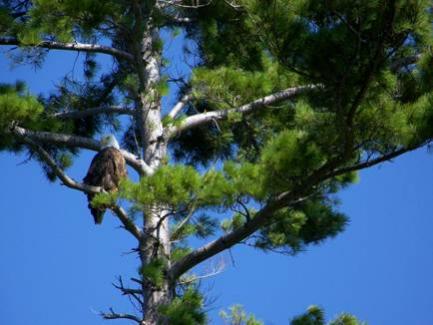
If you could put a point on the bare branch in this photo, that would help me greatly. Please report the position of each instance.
(71, 183)
(113, 315)
(376, 161)
(217, 269)
(179, 106)
(66, 180)
(79, 47)
(137, 281)
(94, 111)
(203, 118)
(128, 224)
(264, 215)
(135, 293)
(227, 240)
(81, 142)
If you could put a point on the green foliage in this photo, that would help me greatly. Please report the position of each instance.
(176, 185)
(64, 19)
(182, 231)
(307, 223)
(162, 87)
(17, 105)
(104, 199)
(224, 37)
(346, 319)
(316, 316)
(179, 252)
(287, 157)
(233, 223)
(167, 120)
(204, 144)
(154, 272)
(226, 86)
(205, 226)
(237, 316)
(6, 20)
(313, 316)
(186, 309)
(170, 185)
(341, 45)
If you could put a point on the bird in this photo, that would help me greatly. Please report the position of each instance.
(107, 169)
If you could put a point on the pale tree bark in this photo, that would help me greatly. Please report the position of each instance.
(155, 243)
(203, 118)
(76, 46)
(81, 142)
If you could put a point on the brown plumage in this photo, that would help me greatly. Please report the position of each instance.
(107, 169)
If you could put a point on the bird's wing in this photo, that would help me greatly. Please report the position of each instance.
(107, 168)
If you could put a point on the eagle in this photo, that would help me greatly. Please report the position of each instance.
(107, 169)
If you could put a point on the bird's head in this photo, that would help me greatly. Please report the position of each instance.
(109, 140)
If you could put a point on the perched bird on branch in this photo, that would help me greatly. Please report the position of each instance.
(107, 169)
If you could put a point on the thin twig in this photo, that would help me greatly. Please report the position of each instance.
(113, 315)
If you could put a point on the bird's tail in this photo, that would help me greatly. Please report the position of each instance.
(97, 213)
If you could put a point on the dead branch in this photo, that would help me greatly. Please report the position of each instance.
(113, 315)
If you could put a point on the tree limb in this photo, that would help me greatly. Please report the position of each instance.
(79, 47)
(89, 189)
(94, 111)
(264, 215)
(66, 180)
(203, 118)
(373, 162)
(179, 106)
(135, 293)
(113, 315)
(128, 224)
(193, 278)
(226, 241)
(76, 141)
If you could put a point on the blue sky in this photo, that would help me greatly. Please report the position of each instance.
(57, 266)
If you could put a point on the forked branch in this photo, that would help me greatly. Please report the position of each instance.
(134, 293)
(81, 142)
(60, 173)
(128, 224)
(113, 315)
(203, 118)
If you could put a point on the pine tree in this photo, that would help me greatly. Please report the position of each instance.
(284, 102)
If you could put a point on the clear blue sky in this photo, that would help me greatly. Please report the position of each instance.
(57, 266)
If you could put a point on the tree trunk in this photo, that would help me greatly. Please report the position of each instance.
(155, 243)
